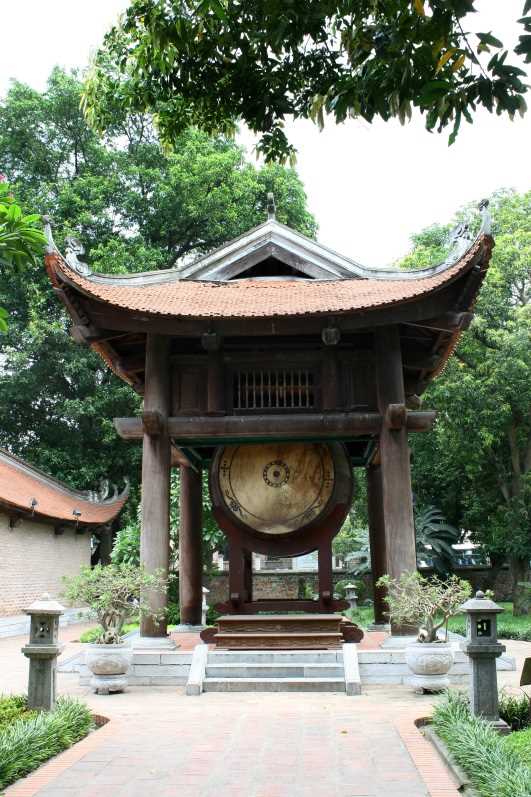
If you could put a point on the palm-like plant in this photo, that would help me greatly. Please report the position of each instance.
(435, 537)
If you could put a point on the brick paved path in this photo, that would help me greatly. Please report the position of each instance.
(163, 744)
(160, 743)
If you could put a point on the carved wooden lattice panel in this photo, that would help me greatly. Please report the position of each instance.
(273, 389)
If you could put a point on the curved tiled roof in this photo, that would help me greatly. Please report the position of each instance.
(215, 286)
(256, 298)
(21, 484)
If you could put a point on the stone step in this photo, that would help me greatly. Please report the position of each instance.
(274, 685)
(280, 641)
(288, 670)
(275, 656)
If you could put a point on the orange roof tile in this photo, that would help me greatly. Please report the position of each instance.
(20, 484)
(255, 298)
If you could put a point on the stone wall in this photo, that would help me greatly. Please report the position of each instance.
(289, 584)
(34, 560)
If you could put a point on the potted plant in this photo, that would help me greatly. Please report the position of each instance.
(113, 593)
(427, 604)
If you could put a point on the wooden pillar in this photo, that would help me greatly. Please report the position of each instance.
(155, 537)
(105, 535)
(397, 500)
(190, 551)
(377, 539)
(326, 575)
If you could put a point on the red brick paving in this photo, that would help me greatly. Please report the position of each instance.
(242, 745)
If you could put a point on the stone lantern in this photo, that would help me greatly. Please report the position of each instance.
(351, 595)
(42, 651)
(483, 648)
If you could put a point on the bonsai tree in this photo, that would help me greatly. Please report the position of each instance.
(113, 593)
(426, 603)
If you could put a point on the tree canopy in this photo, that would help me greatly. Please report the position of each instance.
(212, 63)
(476, 463)
(21, 239)
(134, 208)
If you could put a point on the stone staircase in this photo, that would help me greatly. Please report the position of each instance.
(274, 671)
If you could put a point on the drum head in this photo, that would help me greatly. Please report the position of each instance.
(276, 488)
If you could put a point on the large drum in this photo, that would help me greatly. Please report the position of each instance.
(281, 491)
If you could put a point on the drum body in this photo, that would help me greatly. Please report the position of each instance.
(281, 498)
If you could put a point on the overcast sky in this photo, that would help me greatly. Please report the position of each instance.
(369, 186)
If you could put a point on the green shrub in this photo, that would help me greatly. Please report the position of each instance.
(173, 614)
(520, 743)
(494, 769)
(12, 707)
(27, 743)
(93, 634)
(515, 710)
(126, 548)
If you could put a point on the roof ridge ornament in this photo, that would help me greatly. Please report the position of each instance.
(74, 247)
(51, 247)
(486, 218)
(271, 207)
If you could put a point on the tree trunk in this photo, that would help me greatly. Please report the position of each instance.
(521, 574)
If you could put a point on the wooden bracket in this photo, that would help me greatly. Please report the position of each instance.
(396, 416)
(153, 423)
(14, 521)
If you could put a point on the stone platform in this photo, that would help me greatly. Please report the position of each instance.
(344, 670)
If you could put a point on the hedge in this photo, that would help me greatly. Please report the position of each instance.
(26, 743)
(494, 769)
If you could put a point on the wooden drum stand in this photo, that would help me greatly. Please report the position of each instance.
(280, 499)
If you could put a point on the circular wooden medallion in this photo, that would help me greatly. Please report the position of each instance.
(276, 488)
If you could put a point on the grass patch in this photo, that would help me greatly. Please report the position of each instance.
(515, 710)
(520, 743)
(26, 742)
(494, 769)
(362, 616)
(13, 707)
(509, 627)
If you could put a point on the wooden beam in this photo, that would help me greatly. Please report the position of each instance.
(421, 362)
(447, 322)
(312, 426)
(396, 416)
(153, 423)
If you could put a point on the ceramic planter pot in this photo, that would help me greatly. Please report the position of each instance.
(109, 665)
(430, 663)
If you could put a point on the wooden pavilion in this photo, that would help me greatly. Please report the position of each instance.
(275, 340)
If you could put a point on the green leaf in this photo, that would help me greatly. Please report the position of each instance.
(445, 58)
(488, 38)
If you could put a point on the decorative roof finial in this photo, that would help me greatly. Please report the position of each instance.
(486, 220)
(50, 243)
(73, 249)
(271, 207)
